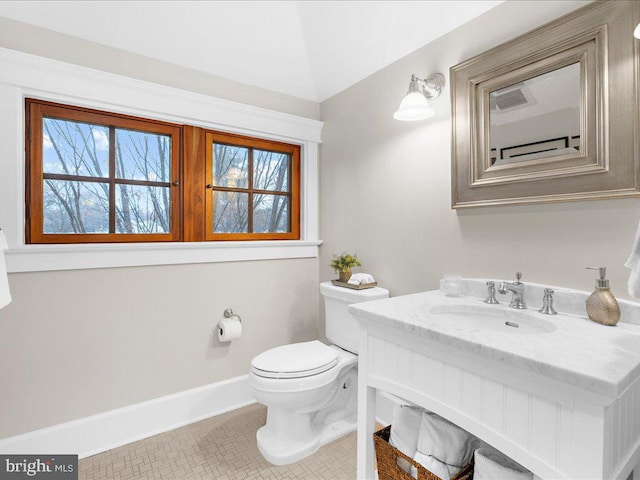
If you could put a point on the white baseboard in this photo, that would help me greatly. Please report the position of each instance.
(98, 433)
(105, 431)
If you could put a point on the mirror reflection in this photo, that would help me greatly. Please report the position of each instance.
(537, 118)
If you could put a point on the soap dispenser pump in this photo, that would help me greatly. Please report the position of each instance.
(602, 306)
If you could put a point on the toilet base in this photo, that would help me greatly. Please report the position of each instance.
(338, 429)
(291, 435)
(279, 453)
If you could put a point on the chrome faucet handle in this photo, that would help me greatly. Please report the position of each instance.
(547, 303)
(491, 290)
(518, 277)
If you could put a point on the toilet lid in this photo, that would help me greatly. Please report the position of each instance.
(295, 361)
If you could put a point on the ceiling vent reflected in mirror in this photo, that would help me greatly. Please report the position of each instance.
(515, 96)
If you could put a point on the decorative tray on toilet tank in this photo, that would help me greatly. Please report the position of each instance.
(361, 286)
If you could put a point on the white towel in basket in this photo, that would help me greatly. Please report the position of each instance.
(443, 448)
(435, 466)
(492, 465)
(404, 432)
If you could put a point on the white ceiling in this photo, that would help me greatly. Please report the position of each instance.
(308, 49)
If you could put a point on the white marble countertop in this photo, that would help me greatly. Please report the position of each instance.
(605, 360)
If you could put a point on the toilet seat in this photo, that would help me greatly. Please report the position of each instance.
(297, 360)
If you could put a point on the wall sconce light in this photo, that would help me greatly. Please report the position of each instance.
(636, 32)
(415, 105)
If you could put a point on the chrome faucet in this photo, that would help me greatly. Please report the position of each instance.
(517, 290)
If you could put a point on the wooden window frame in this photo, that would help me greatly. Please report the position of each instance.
(191, 175)
(36, 111)
(293, 193)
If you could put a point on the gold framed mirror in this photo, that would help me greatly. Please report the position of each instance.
(551, 115)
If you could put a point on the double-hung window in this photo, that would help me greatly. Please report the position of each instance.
(94, 176)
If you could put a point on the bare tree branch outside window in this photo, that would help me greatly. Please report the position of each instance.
(269, 192)
(77, 187)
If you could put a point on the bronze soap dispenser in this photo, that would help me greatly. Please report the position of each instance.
(602, 306)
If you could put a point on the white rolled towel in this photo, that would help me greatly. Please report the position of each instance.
(361, 279)
(443, 448)
(493, 465)
(404, 432)
(633, 264)
(5, 293)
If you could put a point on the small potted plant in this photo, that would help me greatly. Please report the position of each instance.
(342, 265)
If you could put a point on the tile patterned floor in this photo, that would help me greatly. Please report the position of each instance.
(219, 448)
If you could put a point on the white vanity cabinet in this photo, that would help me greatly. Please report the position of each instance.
(564, 403)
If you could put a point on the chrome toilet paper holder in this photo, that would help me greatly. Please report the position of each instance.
(228, 313)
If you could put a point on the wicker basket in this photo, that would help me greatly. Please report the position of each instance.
(388, 469)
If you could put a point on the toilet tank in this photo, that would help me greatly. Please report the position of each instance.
(341, 327)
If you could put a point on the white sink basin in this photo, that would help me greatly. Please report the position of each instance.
(491, 318)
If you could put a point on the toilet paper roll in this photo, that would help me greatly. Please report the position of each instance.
(229, 329)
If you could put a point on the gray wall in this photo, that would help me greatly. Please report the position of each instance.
(385, 185)
(77, 343)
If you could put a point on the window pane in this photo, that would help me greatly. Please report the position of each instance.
(74, 148)
(143, 156)
(230, 166)
(143, 209)
(270, 213)
(76, 207)
(270, 171)
(230, 212)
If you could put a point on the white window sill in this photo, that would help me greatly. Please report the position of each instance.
(40, 258)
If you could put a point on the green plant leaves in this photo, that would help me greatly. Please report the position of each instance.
(344, 262)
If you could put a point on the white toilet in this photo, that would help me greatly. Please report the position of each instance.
(310, 388)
